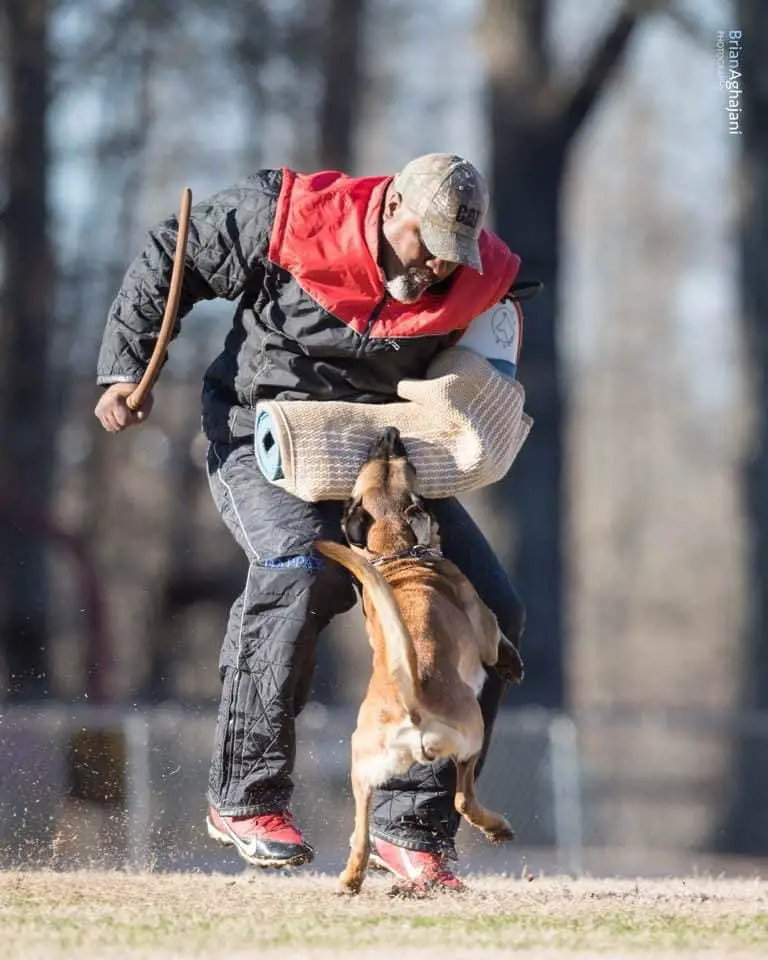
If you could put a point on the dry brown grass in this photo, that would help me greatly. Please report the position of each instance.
(124, 916)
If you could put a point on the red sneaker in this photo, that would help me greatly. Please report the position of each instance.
(265, 840)
(421, 869)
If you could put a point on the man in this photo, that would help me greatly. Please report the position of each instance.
(344, 286)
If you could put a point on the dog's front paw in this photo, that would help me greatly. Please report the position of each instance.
(509, 666)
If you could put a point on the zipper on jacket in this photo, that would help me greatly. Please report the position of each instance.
(375, 313)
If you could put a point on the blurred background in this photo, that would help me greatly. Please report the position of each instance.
(634, 522)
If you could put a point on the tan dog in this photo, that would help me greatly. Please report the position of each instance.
(432, 637)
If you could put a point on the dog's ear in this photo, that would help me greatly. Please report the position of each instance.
(420, 520)
(356, 524)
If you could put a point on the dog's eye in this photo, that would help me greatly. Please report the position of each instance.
(356, 525)
(419, 520)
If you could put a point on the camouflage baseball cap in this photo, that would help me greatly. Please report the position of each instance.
(450, 197)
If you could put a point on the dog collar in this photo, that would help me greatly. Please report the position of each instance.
(426, 554)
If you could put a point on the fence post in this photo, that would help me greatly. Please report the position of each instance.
(139, 794)
(566, 793)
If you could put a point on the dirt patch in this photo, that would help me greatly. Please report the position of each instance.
(125, 916)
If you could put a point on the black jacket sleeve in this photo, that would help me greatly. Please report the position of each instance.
(228, 244)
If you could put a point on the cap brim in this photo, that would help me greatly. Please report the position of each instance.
(454, 247)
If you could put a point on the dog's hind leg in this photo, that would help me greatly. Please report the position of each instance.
(495, 827)
(351, 880)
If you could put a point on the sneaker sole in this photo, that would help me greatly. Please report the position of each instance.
(226, 841)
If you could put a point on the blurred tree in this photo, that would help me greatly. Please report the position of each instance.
(149, 61)
(342, 83)
(288, 100)
(28, 411)
(746, 825)
(534, 119)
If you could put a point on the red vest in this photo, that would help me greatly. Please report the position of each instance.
(326, 235)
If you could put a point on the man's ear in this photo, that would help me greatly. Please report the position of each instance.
(420, 520)
(392, 203)
(356, 523)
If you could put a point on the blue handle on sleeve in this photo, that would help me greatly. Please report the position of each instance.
(504, 367)
(267, 448)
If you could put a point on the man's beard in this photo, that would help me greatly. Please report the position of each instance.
(408, 286)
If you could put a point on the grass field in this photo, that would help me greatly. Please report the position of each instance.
(92, 915)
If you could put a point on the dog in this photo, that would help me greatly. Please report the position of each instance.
(432, 638)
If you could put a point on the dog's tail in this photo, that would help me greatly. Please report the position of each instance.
(400, 652)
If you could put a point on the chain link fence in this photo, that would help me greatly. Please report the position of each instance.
(91, 786)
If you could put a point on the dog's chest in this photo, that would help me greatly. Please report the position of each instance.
(445, 637)
(472, 672)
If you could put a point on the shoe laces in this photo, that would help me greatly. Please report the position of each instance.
(276, 821)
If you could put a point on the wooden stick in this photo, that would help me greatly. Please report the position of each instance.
(152, 372)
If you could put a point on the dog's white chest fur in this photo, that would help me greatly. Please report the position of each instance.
(472, 672)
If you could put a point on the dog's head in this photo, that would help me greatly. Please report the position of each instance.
(385, 513)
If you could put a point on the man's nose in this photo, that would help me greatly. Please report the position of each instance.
(441, 268)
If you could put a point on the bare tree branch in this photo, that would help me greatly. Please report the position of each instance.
(598, 71)
(610, 51)
(692, 26)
